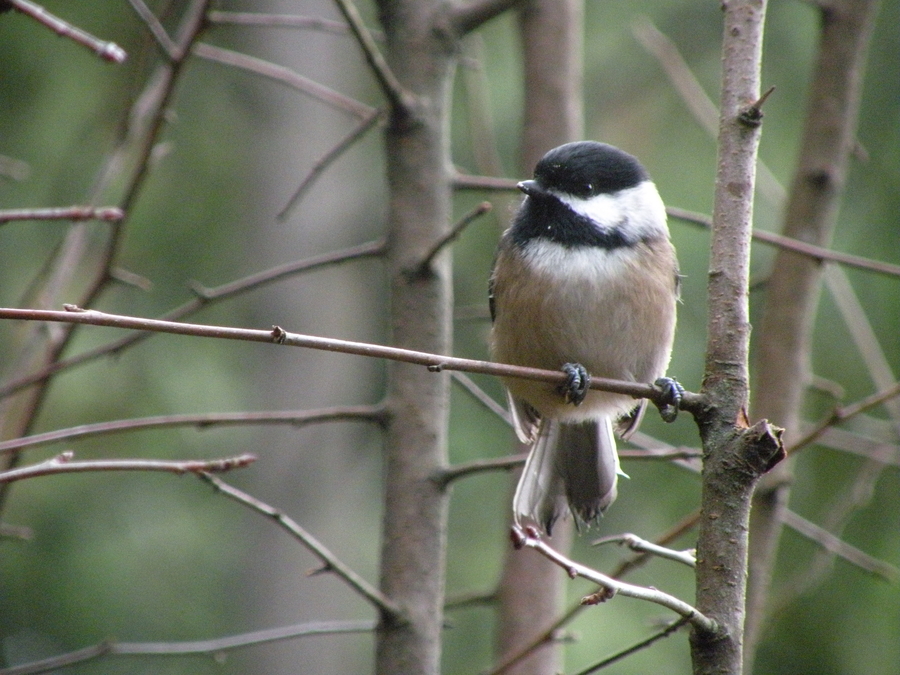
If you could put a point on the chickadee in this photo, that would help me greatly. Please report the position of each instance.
(585, 280)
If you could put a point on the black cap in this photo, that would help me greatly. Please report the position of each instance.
(588, 168)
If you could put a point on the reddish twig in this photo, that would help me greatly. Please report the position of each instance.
(434, 362)
(105, 213)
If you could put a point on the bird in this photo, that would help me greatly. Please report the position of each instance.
(584, 280)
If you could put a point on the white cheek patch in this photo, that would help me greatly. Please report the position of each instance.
(638, 212)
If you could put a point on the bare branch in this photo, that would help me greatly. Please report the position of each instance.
(481, 396)
(205, 296)
(839, 547)
(203, 421)
(468, 16)
(332, 564)
(694, 97)
(278, 335)
(735, 454)
(283, 21)
(788, 243)
(398, 96)
(106, 213)
(450, 474)
(286, 76)
(548, 634)
(455, 231)
(108, 51)
(156, 28)
(842, 414)
(211, 647)
(643, 644)
(62, 464)
(329, 158)
(530, 538)
(635, 543)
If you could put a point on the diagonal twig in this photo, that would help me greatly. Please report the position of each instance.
(108, 51)
(399, 97)
(284, 75)
(530, 538)
(329, 158)
(205, 296)
(332, 564)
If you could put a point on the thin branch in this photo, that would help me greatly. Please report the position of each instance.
(399, 97)
(284, 75)
(530, 538)
(450, 474)
(839, 547)
(211, 647)
(105, 213)
(468, 16)
(329, 158)
(205, 296)
(842, 414)
(156, 28)
(694, 96)
(455, 231)
(643, 644)
(811, 250)
(203, 421)
(62, 464)
(283, 21)
(635, 543)
(277, 335)
(685, 525)
(375, 597)
(108, 51)
(481, 396)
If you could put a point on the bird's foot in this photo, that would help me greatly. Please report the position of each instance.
(575, 388)
(670, 404)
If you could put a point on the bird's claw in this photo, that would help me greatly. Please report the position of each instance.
(577, 383)
(670, 403)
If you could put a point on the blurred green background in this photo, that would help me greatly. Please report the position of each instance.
(150, 557)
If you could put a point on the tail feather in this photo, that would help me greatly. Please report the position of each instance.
(572, 467)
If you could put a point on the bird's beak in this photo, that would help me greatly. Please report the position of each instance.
(530, 188)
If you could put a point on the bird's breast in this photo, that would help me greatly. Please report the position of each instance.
(601, 308)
